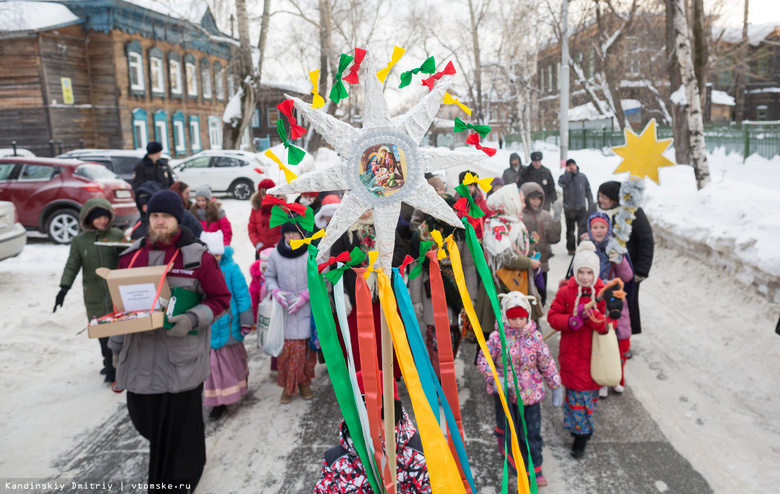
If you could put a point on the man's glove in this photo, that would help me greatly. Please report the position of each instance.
(182, 324)
(557, 397)
(298, 303)
(615, 257)
(60, 297)
(281, 297)
(575, 323)
(639, 278)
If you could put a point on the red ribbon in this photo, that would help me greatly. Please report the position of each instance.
(473, 140)
(286, 107)
(462, 206)
(407, 261)
(448, 70)
(352, 77)
(343, 257)
(258, 170)
(294, 207)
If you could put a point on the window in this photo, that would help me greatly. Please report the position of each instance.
(541, 81)
(5, 170)
(174, 65)
(192, 76)
(37, 172)
(205, 76)
(761, 112)
(179, 141)
(202, 162)
(591, 64)
(226, 162)
(724, 72)
(161, 129)
(231, 83)
(156, 71)
(219, 81)
(256, 119)
(762, 64)
(273, 116)
(550, 87)
(125, 166)
(135, 67)
(195, 134)
(215, 132)
(140, 129)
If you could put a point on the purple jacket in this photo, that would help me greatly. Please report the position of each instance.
(623, 271)
(532, 361)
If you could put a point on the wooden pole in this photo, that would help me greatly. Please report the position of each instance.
(389, 400)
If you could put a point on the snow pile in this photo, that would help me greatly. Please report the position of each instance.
(756, 33)
(295, 86)
(588, 111)
(679, 97)
(233, 111)
(723, 98)
(33, 16)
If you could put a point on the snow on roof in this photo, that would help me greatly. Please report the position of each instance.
(295, 86)
(756, 33)
(764, 90)
(34, 16)
(189, 10)
(723, 98)
(589, 112)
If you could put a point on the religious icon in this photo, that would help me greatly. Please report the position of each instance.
(382, 169)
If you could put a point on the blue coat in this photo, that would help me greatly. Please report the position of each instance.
(227, 329)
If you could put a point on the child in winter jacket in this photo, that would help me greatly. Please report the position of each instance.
(568, 315)
(211, 216)
(261, 234)
(611, 265)
(532, 363)
(228, 358)
(544, 231)
(257, 287)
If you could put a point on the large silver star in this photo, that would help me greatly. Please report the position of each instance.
(351, 143)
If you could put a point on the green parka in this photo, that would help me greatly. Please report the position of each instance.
(86, 256)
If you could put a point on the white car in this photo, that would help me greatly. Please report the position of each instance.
(234, 172)
(13, 236)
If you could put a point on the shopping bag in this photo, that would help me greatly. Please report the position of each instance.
(605, 366)
(264, 309)
(272, 340)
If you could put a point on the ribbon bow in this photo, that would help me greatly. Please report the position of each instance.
(269, 200)
(352, 77)
(449, 100)
(428, 67)
(398, 52)
(286, 107)
(473, 210)
(297, 243)
(280, 217)
(436, 235)
(338, 92)
(407, 261)
(424, 247)
(356, 258)
(482, 130)
(288, 175)
(448, 70)
(473, 139)
(318, 101)
(343, 257)
(372, 256)
(294, 154)
(484, 183)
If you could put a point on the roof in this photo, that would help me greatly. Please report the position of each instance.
(21, 16)
(295, 86)
(191, 10)
(70, 163)
(756, 33)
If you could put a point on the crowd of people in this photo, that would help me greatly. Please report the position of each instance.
(170, 374)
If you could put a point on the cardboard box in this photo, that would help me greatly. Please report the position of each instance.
(133, 290)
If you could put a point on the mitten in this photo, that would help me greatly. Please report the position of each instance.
(615, 257)
(557, 397)
(298, 303)
(60, 297)
(280, 296)
(182, 324)
(575, 323)
(581, 312)
(245, 329)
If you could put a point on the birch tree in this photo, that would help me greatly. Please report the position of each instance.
(241, 107)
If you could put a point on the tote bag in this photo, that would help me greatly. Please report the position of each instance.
(605, 366)
(272, 339)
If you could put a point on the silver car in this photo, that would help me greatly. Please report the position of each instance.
(13, 236)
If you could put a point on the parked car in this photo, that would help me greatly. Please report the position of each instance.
(6, 152)
(120, 161)
(13, 235)
(48, 193)
(234, 172)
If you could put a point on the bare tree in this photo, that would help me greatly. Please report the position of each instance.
(682, 137)
(239, 110)
(741, 74)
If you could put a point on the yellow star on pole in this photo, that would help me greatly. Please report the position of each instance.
(643, 154)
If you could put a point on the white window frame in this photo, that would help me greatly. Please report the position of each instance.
(205, 77)
(158, 80)
(140, 127)
(161, 128)
(136, 63)
(178, 131)
(192, 79)
(195, 136)
(176, 87)
(231, 85)
(215, 132)
(246, 142)
(219, 83)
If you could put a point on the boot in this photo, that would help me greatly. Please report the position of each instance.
(604, 392)
(285, 399)
(217, 412)
(580, 443)
(540, 480)
(306, 392)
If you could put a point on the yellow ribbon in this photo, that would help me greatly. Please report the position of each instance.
(398, 52)
(288, 175)
(318, 101)
(484, 183)
(297, 243)
(442, 467)
(372, 256)
(449, 100)
(460, 279)
(436, 235)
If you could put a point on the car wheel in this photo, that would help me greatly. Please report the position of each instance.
(62, 226)
(242, 189)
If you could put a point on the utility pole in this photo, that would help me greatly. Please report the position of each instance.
(564, 83)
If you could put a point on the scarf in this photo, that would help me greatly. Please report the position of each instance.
(286, 251)
(601, 247)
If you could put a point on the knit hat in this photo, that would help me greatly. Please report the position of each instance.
(570, 162)
(166, 201)
(204, 191)
(214, 241)
(611, 189)
(536, 156)
(266, 183)
(95, 214)
(331, 199)
(327, 210)
(289, 228)
(153, 147)
(595, 218)
(586, 258)
(512, 301)
(498, 181)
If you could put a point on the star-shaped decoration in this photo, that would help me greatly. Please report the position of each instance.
(382, 164)
(643, 154)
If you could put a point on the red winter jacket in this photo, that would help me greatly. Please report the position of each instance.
(575, 347)
(221, 224)
(260, 232)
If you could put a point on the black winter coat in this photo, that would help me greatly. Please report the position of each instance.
(543, 177)
(146, 170)
(640, 244)
(576, 191)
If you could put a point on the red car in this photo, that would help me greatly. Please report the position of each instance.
(48, 193)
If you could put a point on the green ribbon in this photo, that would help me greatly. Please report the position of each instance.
(428, 67)
(294, 154)
(482, 130)
(424, 248)
(474, 210)
(338, 92)
(337, 367)
(356, 259)
(279, 217)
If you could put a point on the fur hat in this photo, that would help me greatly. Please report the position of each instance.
(586, 258)
(515, 299)
(153, 147)
(204, 191)
(166, 201)
(266, 183)
(214, 241)
(326, 210)
(536, 156)
(611, 189)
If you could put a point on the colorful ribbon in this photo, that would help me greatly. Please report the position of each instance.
(428, 67)
(474, 211)
(297, 243)
(424, 247)
(482, 130)
(352, 77)
(294, 154)
(286, 107)
(280, 217)
(436, 235)
(407, 261)
(448, 70)
(270, 200)
(338, 92)
(356, 258)
(473, 139)
(484, 183)
(288, 175)
(343, 257)
(317, 101)
(449, 100)
(398, 52)
(372, 257)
